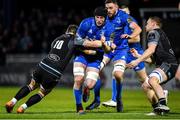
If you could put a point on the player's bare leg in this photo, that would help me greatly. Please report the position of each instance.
(92, 74)
(118, 72)
(78, 71)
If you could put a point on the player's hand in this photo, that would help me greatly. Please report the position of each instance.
(134, 52)
(126, 36)
(103, 39)
(113, 46)
(132, 64)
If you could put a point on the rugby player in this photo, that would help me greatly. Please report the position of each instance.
(51, 68)
(166, 64)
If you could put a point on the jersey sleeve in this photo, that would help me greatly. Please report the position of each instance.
(127, 19)
(153, 37)
(78, 41)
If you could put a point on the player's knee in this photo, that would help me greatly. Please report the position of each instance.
(91, 84)
(78, 79)
(118, 76)
(118, 71)
(33, 85)
(145, 86)
(44, 92)
(153, 81)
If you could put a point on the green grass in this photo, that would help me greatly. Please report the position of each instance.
(60, 104)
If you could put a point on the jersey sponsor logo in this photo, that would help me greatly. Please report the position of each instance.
(53, 57)
(171, 51)
(118, 28)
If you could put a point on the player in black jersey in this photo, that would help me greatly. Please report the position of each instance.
(166, 64)
(51, 67)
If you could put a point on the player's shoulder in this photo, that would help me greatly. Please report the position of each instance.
(121, 13)
(153, 32)
(86, 22)
(62, 37)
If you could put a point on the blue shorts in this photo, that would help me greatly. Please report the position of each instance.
(89, 61)
(130, 58)
(119, 54)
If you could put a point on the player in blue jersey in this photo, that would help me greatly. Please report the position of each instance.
(119, 19)
(86, 67)
(134, 43)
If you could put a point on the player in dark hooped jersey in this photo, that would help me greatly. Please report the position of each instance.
(165, 61)
(50, 68)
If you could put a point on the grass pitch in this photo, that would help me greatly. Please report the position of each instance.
(60, 104)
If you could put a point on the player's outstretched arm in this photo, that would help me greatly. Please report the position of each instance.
(135, 53)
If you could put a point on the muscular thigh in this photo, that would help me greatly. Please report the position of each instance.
(45, 79)
(165, 72)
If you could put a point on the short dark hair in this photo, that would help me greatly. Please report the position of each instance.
(157, 20)
(111, 1)
(72, 29)
(100, 11)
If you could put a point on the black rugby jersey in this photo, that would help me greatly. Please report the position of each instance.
(62, 50)
(164, 51)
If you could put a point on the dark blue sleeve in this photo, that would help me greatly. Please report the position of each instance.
(127, 19)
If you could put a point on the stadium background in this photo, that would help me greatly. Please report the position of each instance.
(27, 27)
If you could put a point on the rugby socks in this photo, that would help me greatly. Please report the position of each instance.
(119, 91)
(162, 101)
(114, 92)
(97, 91)
(24, 106)
(78, 95)
(33, 100)
(155, 105)
(23, 92)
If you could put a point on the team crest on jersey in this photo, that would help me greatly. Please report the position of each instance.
(90, 31)
(53, 57)
(123, 57)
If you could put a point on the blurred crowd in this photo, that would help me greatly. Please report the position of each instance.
(33, 31)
